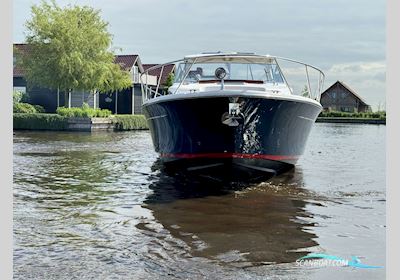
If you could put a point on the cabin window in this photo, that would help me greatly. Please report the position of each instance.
(333, 94)
(267, 73)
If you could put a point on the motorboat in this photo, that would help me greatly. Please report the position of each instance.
(231, 112)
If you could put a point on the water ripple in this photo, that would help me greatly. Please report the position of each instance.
(96, 206)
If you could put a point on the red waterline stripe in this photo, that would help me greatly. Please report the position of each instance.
(230, 155)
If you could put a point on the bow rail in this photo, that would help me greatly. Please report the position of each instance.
(185, 68)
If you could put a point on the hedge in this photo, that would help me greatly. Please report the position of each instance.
(366, 115)
(39, 121)
(130, 122)
(56, 122)
(84, 112)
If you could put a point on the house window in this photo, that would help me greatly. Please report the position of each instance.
(333, 94)
(345, 109)
(20, 89)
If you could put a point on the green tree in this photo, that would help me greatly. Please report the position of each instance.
(70, 48)
(305, 92)
(170, 80)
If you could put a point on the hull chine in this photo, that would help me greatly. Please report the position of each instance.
(227, 167)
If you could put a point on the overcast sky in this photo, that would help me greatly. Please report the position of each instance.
(346, 38)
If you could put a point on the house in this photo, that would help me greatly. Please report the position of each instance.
(161, 73)
(122, 102)
(118, 102)
(45, 97)
(340, 97)
(19, 82)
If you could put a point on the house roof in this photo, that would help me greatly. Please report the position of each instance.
(168, 68)
(17, 70)
(22, 47)
(347, 88)
(125, 61)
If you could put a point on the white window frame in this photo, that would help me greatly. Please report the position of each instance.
(135, 74)
(20, 89)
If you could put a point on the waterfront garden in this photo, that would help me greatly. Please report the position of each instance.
(33, 117)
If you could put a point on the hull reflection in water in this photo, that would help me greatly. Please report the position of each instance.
(242, 224)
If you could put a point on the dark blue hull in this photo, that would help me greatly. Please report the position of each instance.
(269, 137)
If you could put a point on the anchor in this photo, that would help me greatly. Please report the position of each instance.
(233, 116)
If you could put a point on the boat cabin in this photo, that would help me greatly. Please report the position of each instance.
(244, 72)
(198, 74)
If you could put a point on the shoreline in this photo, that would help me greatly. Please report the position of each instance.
(350, 120)
(54, 122)
(125, 122)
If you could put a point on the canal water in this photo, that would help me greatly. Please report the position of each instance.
(97, 206)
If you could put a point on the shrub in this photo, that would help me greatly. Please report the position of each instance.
(85, 106)
(62, 111)
(24, 108)
(84, 112)
(130, 122)
(17, 96)
(25, 97)
(103, 113)
(39, 121)
(39, 109)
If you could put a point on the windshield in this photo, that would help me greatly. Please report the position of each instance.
(267, 73)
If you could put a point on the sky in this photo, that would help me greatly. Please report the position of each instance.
(345, 38)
